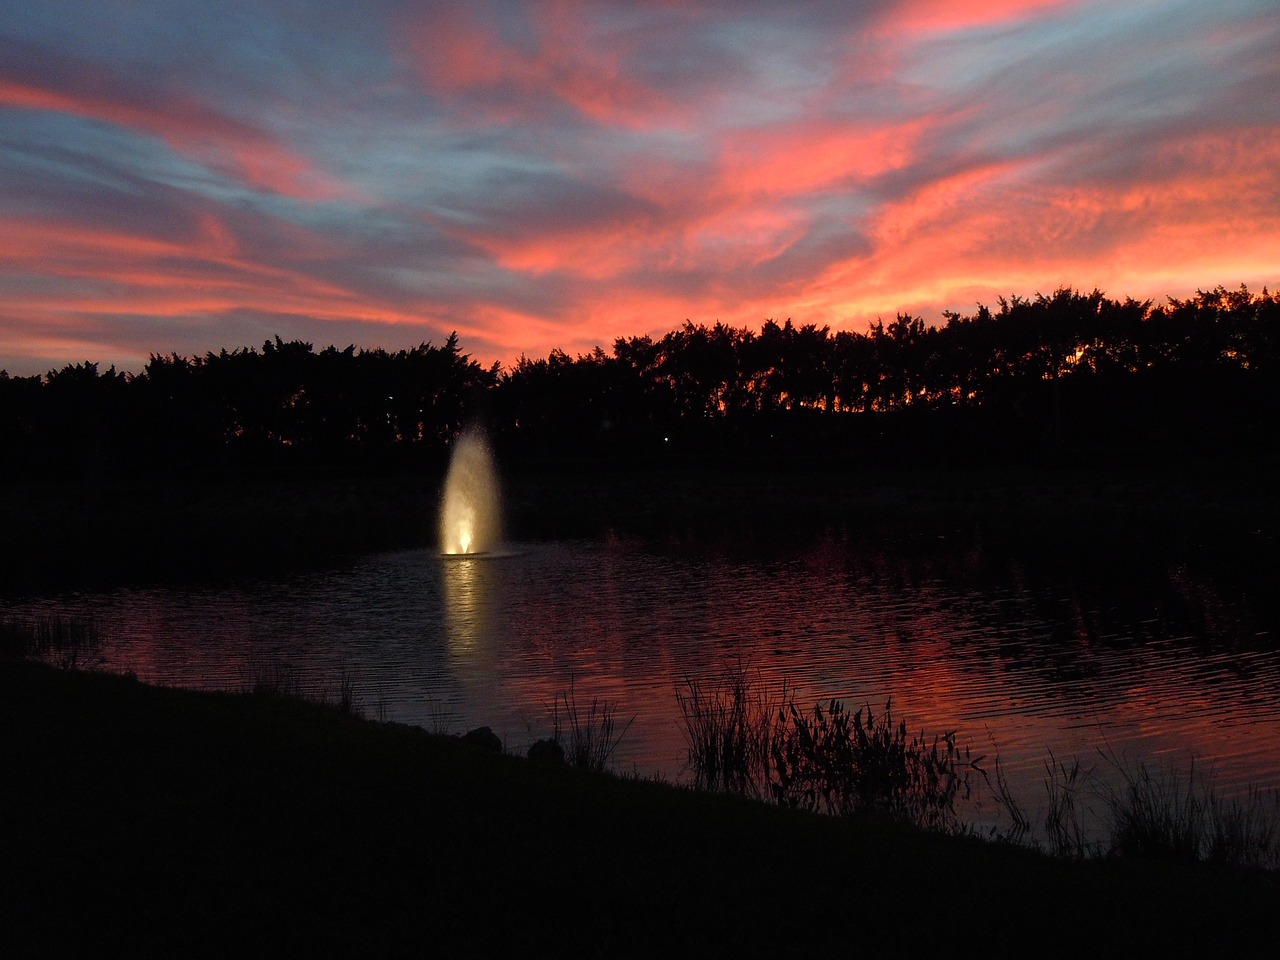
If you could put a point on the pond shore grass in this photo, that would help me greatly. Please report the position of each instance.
(161, 821)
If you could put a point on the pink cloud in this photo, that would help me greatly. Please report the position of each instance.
(101, 271)
(185, 123)
(798, 157)
(458, 55)
(949, 15)
(1196, 213)
(565, 181)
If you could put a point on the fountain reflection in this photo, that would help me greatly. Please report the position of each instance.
(959, 641)
(468, 613)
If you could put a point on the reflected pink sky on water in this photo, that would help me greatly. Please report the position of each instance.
(452, 643)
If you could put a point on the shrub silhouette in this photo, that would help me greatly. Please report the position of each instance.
(746, 741)
(843, 763)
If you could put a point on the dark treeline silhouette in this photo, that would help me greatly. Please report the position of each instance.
(1069, 374)
(282, 408)
(1065, 376)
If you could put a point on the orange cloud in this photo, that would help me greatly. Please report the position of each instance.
(1197, 211)
(578, 171)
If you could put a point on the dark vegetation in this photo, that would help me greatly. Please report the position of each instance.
(586, 736)
(1154, 813)
(282, 411)
(1058, 377)
(64, 642)
(751, 741)
(158, 821)
(745, 740)
(1091, 429)
(1133, 420)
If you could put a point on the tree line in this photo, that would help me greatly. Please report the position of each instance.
(1065, 375)
(285, 406)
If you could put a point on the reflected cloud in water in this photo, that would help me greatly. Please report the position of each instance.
(957, 643)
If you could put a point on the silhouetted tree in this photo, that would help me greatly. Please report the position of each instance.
(1075, 373)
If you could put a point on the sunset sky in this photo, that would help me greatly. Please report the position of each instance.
(182, 176)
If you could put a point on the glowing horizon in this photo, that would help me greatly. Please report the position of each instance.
(556, 175)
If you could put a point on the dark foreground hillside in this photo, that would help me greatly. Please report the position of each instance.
(162, 821)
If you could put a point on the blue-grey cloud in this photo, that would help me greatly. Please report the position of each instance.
(176, 175)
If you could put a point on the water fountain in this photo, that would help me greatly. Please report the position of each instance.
(470, 511)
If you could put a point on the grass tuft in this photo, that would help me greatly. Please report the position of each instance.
(843, 763)
(588, 736)
(728, 725)
(1064, 820)
(65, 642)
(1245, 831)
(1161, 814)
(1018, 830)
(1155, 814)
(1151, 813)
(745, 740)
(273, 678)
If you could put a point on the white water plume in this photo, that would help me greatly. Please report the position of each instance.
(470, 511)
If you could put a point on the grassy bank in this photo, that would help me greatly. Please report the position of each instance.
(201, 823)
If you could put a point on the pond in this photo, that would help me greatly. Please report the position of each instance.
(1169, 670)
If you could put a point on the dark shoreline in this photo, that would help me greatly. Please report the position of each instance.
(1224, 514)
(149, 819)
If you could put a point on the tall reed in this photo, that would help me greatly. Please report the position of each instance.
(1136, 811)
(589, 736)
(743, 738)
(1065, 815)
(66, 642)
(843, 763)
(1159, 813)
(1244, 831)
(1155, 814)
(728, 724)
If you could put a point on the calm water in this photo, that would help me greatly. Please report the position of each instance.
(1177, 676)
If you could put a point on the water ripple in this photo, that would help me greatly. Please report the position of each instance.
(497, 640)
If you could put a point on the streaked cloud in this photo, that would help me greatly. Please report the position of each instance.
(180, 177)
